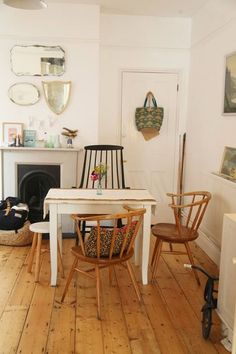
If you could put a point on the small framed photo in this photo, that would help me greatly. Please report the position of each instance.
(228, 165)
(230, 87)
(11, 131)
(29, 138)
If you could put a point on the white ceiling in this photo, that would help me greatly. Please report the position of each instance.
(162, 8)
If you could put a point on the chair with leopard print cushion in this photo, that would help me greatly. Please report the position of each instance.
(106, 247)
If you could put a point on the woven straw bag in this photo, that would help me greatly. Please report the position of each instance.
(148, 119)
(22, 237)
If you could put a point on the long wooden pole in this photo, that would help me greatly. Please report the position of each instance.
(181, 167)
(181, 177)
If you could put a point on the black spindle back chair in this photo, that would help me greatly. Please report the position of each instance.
(112, 157)
(109, 155)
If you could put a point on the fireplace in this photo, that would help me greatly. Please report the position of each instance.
(54, 167)
(33, 183)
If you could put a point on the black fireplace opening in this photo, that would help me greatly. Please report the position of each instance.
(33, 182)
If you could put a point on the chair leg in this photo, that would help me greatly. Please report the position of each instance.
(31, 255)
(38, 252)
(83, 229)
(192, 261)
(157, 258)
(133, 279)
(60, 260)
(98, 291)
(77, 236)
(72, 270)
(154, 251)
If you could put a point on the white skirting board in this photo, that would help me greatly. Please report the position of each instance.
(209, 247)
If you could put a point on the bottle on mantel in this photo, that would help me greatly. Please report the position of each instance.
(45, 140)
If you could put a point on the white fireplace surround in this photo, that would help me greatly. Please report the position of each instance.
(67, 159)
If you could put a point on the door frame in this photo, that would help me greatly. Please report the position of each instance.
(177, 130)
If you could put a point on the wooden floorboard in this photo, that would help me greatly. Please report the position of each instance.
(167, 321)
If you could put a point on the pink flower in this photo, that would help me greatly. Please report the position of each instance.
(98, 172)
(94, 176)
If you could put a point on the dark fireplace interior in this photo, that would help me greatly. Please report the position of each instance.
(33, 182)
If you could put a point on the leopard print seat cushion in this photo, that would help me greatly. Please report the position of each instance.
(105, 240)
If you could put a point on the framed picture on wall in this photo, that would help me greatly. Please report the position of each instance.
(11, 131)
(230, 84)
(228, 165)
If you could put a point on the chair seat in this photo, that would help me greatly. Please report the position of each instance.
(40, 227)
(77, 251)
(168, 232)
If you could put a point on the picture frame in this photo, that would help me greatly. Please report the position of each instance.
(230, 85)
(11, 130)
(29, 138)
(228, 164)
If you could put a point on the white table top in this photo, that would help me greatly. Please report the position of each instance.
(79, 196)
(55, 194)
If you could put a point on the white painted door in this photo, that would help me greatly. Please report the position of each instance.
(151, 164)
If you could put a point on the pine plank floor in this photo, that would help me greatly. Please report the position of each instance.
(32, 319)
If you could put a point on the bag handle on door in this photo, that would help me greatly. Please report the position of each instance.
(148, 99)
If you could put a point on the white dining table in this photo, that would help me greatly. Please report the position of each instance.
(60, 201)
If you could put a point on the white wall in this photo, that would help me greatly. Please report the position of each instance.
(76, 29)
(208, 131)
(139, 43)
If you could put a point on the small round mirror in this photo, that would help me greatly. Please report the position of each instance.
(24, 94)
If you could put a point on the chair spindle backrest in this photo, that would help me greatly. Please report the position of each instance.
(189, 209)
(125, 236)
(109, 155)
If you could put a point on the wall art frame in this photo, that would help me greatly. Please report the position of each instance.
(10, 131)
(228, 164)
(229, 105)
(29, 138)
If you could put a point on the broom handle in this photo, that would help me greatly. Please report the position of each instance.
(181, 171)
(182, 165)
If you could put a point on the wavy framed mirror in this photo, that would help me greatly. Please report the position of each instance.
(57, 94)
(24, 94)
(37, 60)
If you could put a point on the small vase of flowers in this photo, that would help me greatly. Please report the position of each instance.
(97, 175)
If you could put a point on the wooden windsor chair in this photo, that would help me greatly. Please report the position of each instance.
(106, 248)
(189, 209)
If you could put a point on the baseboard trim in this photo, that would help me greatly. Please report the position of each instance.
(209, 247)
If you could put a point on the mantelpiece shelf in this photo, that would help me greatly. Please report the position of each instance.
(225, 178)
(22, 148)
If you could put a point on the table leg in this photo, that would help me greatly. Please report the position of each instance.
(59, 231)
(146, 243)
(53, 243)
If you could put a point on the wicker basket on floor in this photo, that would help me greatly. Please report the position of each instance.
(22, 237)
